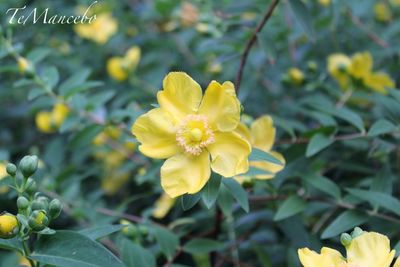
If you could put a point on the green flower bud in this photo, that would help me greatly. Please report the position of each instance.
(356, 232)
(22, 203)
(346, 239)
(41, 203)
(28, 165)
(9, 226)
(143, 229)
(30, 186)
(38, 220)
(11, 169)
(55, 208)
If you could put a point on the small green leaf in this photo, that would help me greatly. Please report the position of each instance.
(188, 201)
(202, 246)
(210, 190)
(378, 198)
(317, 143)
(381, 126)
(324, 184)
(167, 240)
(11, 244)
(35, 92)
(303, 16)
(259, 155)
(237, 192)
(50, 77)
(75, 80)
(344, 222)
(134, 255)
(290, 207)
(101, 231)
(68, 248)
(225, 200)
(85, 136)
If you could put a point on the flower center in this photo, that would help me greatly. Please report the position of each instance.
(194, 134)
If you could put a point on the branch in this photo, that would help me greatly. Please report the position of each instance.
(251, 42)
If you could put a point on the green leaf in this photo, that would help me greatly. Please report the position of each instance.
(253, 171)
(38, 54)
(188, 201)
(259, 155)
(85, 136)
(50, 77)
(202, 246)
(290, 207)
(237, 192)
(11, 244)
(381, 126)
(134, 255)
(324, 184)
(81, 87)
(68, 248)
(377, 198)
(303, 16)
(210, 190)
(101, 231)
(317, 143)
(225, 200)
(351, 117)
(344, 222)
(75, 80)
(167, 240)
(35, 92)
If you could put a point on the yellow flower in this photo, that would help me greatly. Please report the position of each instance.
(261, 135)
(368, 249)
(23, 64)
(382, 12)
(100, 30)
(110, 132)
(50, 121)
(296, 76)
(324, 2)
(379, 81)
(395, 3)
(338, 65)
(361, 65)
(188, 128)
(114, 181)
(163, 205)
(189, 14)
(119, 68)
(8, 225)
(3, 174)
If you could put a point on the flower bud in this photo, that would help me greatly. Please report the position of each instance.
(130, 230)
(23, 65)
(28, 165)
(38, 220)
(22, 203)
(356, 232)
(30, 186)
(55, 208)
(11, 169)
(143, 230)
(345, 239)
(9, 226)
(41, 203)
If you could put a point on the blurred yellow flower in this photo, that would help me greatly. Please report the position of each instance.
(338, 65)
(188, 128)
(324, 2)
(368, 249)
(189, 14)
(382, 12)
(23, 64)
(110, 132)
(100, 30)
(119, 68)
(163, 205)
(261, 135)
(24, 261)
(395, 3)
(296, 76)
(3, 174)
(8, 224)
(50, 121)
(379, 81)
(114, 181)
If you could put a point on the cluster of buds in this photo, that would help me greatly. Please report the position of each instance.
(135, 232)
(35, 211)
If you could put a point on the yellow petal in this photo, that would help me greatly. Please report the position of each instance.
(44, 122)
(132, 57)
(181, 95)
(156, 133)
(229, 154)
(379, 81)
(221, 106)
(163, 205)
(263, 133)
(268, 166)
(361, 65)
(327, 258)
(244, 131)
(184, 173)
(59, 114)
(370, 250)
(397, 263)
(115, 69)
(338, 65)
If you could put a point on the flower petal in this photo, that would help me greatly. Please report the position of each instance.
(162, 206)
(268, 166)
(370, 249)
(156, 133)
(184, 173)
(229, 154)
(181, 95)
(379, 82)
(263, 133)
(221, 106)
(327, 257)
(244, 131)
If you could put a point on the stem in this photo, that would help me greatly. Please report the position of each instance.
(251, 42)
(232, 239)
(27, 252)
